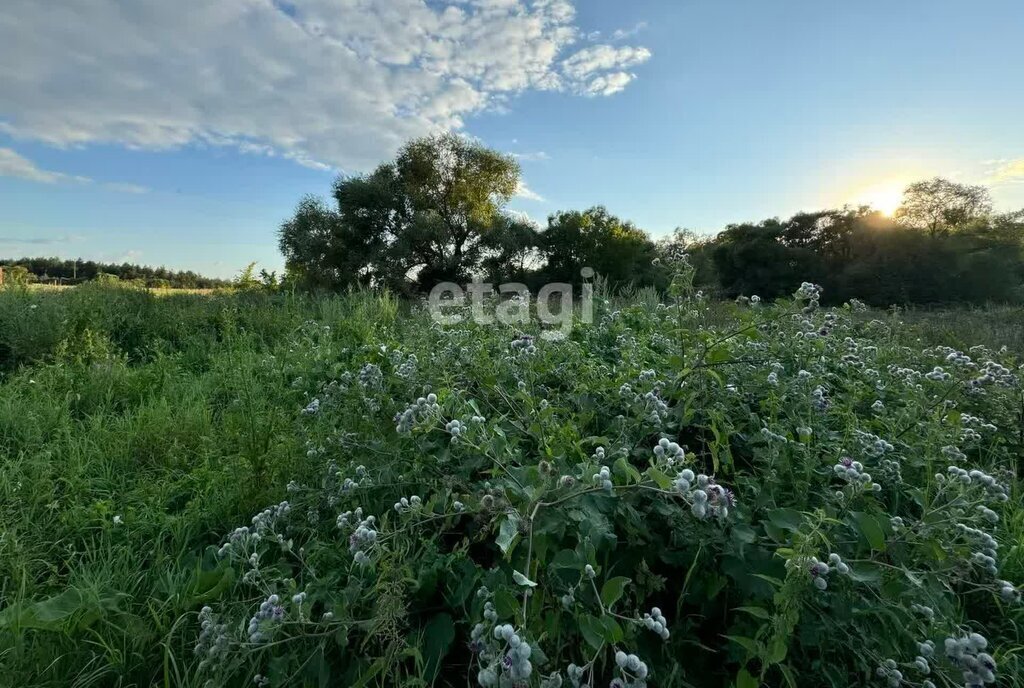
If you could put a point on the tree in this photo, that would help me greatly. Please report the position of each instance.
(420, 219)
(940, 206)
(594, 238)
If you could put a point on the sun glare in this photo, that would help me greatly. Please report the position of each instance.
(885, 198)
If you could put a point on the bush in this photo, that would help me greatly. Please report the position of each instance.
(653, 500)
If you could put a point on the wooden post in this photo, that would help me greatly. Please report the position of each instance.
(1, 274)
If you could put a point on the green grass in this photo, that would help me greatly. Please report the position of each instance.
(136, 431)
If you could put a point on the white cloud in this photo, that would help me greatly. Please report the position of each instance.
(527, 193)
(623, 34)
(1005, 171)
(13, 164)
(327, 83)
(535, 156)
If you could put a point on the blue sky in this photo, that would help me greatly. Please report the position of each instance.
(182, 134)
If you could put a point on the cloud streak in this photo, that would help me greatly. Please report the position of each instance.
(1006, 171)
(334, 84)
(13, 164)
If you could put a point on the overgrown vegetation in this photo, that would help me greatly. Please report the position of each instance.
(681, 493)
(26, 270)
(438, 213)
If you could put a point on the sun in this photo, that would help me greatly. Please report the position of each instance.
(885, 198)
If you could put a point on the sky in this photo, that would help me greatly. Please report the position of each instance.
(183, 133)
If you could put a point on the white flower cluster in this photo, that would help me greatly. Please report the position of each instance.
(811, 293)
(523, 345)
(371, 377)
(853, 472)
(657, 623)
(967, 652)
(773, 436)
(707, 498)
(603, 477)
(995, 489)
(507, 662)
(419, 410)
(819, 399)
(993, 373)
(265, 621)
(631, 666)
(413, 503)
(407, 369)
(985, 556)
(213, 639)
(312, 408)
(975, 422)
(1008, 592)
(818, 570)
(927, 612)
(363, 536)
(937, 374)
(670, 452)
(887, 670)
(872, 445)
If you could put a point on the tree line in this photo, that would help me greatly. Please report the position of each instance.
(65, 271)
(437, 212)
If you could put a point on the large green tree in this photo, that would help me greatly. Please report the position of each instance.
(616, 249)
(423, 218)
(940, 206)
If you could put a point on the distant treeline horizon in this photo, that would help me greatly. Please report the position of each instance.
(437, 213)
(71, 271)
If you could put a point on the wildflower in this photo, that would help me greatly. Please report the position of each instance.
(656, 622)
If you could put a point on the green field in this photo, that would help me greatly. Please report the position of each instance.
(562, 489)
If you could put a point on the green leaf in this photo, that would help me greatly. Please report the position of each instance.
(612, 630)
(438, 635)
(745, 680)
(508, 532)
(771, 579)
(592, 630)
(659, 478)
(612, 590)
(749, 643)
(522, 580)
(870, 528)
(755, 611)
(786, 519)
(623, 467)
(864, 573)
(778, 650)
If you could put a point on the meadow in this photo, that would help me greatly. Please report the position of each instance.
(273, 489)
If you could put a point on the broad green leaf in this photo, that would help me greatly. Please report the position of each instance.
(748, 643)
(508, 532)
(522, 580)
(870, 528)
(612, 590)
(745, 680)
(592, 630)
(438, 635)
(659, 478)
(755, 611)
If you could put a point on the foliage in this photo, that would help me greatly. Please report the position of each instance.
(681, 494)
(940, 206)
(76, 271)
(425, 217)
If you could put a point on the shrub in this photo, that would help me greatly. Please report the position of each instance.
(789, 498)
